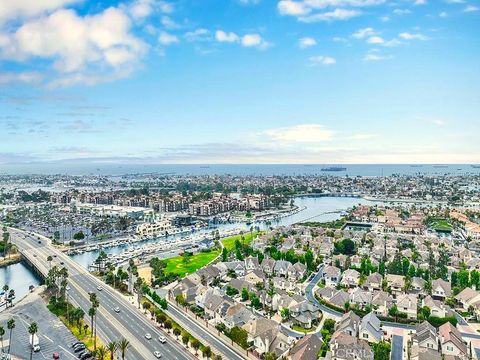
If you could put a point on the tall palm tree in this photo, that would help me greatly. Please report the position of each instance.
(2, 332)
(10, 326)
(32, 330)
(101, 352)
(123, 345)
(49, 259)
(112, 347)
(5, 290)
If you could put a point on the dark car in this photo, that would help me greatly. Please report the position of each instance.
(86, 355)
(79, 348)
(75, 343)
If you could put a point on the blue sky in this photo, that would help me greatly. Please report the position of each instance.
(240, 81)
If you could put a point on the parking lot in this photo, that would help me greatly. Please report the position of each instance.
(53, 335)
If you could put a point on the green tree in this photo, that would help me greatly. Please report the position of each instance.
(32, 330)
(10, 326)
(123, 345)
(112, 347)
(196, 345)
(239, 336)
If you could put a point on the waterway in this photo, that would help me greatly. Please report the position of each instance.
(20, 277)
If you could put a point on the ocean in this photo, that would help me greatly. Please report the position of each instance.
(241, 169)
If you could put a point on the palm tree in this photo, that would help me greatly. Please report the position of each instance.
(2, 332)
(93, 316)
(32, 330)
(101, 352)
(10, 326)
(112, 347)
(5, 290)
(49, 259)
(123, 346)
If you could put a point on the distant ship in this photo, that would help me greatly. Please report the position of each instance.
(416, 166)
(334, 168)
(440, 166)
(475, 166)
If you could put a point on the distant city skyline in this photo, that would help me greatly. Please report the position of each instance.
(240, 81)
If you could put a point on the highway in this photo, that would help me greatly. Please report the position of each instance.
(130, 323)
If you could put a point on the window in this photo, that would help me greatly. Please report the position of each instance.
(449, 348)
(365, 335)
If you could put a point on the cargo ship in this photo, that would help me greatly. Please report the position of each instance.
(334, 168)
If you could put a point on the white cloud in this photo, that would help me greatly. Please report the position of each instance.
(306, 42)
(254, 40)
(410, 36)
(471, 8)
(420, 2)
(222, 36)
(363, 33)
(200, 34)
(324, 10)
(401, 11)
(373, 56)
(363, 136)
(295, 8)
(167, 39)
(27, 77)
(14, 9)
(375, 40)
(93, 44)
(323, 60)
(443, 14)
(302, 133)
(385, 18)
(337, 14)
(169, 23)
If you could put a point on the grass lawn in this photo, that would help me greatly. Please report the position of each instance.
(301, 329)
(229, 242)
(441, 225)
(176, 265)
(197, 261)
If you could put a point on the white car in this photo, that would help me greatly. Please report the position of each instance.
(162, 339)
(157, 354)
(117, 309)
(99, 288)
(148, 336)
(67, 288)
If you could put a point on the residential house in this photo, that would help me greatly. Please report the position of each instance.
(426, 336)
(418, 285)
(251, 263)
(347, 347)
(281, 268)
(419, 353)
(382, 302)
(373, 282)
(304, 314)
(396, 283)
(332, 275)
(407, 304)
(237, 315)
(350, 278)
(296, 271)
(437, 307)
(467, 298)
(441, 289)
(349, 324)
(371, 328)
(307, 348)
(268, 264)
(360, 297)
(451, 341)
